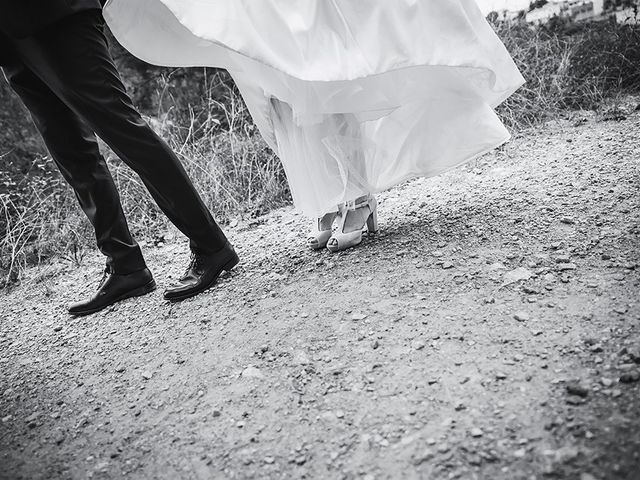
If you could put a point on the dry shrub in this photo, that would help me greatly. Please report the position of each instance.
(569, 66)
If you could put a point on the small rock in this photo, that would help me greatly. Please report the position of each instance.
(301, 358)
(59, 437)
(629, 377)
(476, 432)
(606, 382)
(577, 390)
(566, 454)
(357, 316)
(587, 476)
(567, 220)
(252, 372)
(120, 369)
(32, 418)
(447, 265)
(444, 448)
(567, 266)
(423, 456)
(634, 353)
(501, 376)
(269, 460)
(597, 348)
(520, 453)
(517, 275)
(57, 328)
(339, 414)
(147, 375)
(521, 316)
(418, 345)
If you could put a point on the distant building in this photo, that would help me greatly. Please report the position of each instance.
(544, 14)
(578, 10)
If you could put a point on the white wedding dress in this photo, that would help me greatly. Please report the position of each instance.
(355, 96)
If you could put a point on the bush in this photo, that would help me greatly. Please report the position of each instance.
(569, 66)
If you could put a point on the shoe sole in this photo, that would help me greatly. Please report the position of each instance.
(138, 292)
(228, 267)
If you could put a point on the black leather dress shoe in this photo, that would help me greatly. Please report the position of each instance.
(114, 288)
(202, 273)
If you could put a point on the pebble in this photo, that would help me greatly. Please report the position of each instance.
(57, 328)
(587, 476)
(577, 390)
(418, 345)
(520, 453)
(32, 418)
(629, 377)
(252, 372)
(521, 316)
(424, 456)
(301, 358)
(606, 382)
(59, 437)
(444, 448)
(517, 275)
(476, 432)
(147, 375)
(567, 266)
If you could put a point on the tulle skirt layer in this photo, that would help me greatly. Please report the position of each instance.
(355, 96)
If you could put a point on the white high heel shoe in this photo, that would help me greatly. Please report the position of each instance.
(365, 210)
(319, 237)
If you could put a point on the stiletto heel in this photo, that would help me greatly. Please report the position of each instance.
(372, 222)
(366, 208)
(319, 237)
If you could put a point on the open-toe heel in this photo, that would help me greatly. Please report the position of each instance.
(321, 234)
(366, 210)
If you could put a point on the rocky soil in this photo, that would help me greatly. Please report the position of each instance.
(490, 331)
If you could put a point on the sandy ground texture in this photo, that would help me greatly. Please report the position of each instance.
(490, 331)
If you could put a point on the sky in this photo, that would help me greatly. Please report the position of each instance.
(488, 5)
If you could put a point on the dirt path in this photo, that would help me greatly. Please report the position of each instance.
(491, 331)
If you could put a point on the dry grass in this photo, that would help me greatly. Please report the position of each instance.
(568, 67)
(239, 176)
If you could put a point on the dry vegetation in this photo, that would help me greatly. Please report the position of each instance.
(567, 67)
